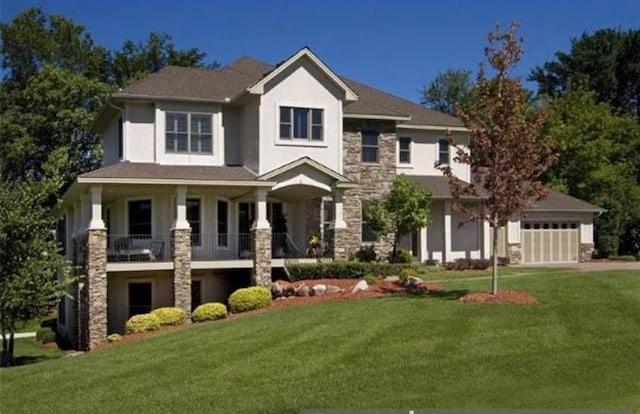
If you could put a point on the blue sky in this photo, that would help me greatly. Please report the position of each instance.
(395, 45)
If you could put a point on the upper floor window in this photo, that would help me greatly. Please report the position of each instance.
(187, 132)
(404, 150)
(140, 217)
(369, 146)
(301, 123)
(443, 151)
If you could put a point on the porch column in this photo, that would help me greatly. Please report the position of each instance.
(424, 247)
(340, 232)
(261, 242)
(514, 244)
(487, 246)
(181, 254)
(586, 239)
(446, 233)
(92, 288)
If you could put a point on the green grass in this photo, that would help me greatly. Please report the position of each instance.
(28, 351)
(577, 348)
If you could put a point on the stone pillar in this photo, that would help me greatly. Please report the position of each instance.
(261, 248)
(261, 242)
(514, 244)
(92, 292)
(341, 237)
(181, 253)
(586, 251)
(514, 252)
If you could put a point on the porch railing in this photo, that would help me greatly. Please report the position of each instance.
(221, 246)
(138, 248)
(283, 247)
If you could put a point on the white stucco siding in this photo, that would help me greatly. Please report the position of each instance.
(138, 132)
(435, 242)
(110, 142)
(466, 236)
(424, 153)
(300, 86)
(232, 136)
(164, 157)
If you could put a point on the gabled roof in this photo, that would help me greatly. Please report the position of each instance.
(340, 179)
(305, 52)
(227, 84)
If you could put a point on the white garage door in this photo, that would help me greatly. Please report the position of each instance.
(550, 242)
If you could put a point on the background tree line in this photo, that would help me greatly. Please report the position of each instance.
(592, 94)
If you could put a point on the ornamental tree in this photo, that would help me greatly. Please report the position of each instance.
(507, 151)
(403, 210)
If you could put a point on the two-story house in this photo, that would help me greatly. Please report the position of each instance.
(212, 179)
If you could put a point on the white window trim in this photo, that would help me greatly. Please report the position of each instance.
(300, 142)
(153, 213)
(411, 153)
(188, 151)
(154, 290)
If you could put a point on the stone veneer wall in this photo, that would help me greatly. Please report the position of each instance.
(586, 251)
(312, 217)
(181, 253)
(373, 181)
(92, 292)
(514, 253)
(261, 273)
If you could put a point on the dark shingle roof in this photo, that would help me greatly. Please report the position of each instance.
(555, 200)
(145, 171)
(231, 81)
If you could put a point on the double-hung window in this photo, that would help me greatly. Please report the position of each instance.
(404, 150)
(301, 123)
(370, 146)
(189, 133)
(443, 151)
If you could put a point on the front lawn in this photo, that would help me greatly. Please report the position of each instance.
(578, 347)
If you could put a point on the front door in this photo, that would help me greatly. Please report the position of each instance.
(139, 298)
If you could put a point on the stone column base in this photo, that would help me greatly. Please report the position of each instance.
(586, 252)
(514, 252)
(340, 244)
(92, 292)
(181, 253)
(261, 243)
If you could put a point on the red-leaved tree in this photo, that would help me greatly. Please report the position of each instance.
(507, 151)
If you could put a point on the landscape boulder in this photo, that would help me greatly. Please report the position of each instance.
(318, 290)
(391, 279)
(303, 290)
(333, 289)
(360, 286)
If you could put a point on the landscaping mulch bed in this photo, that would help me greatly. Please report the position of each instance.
(505, 296)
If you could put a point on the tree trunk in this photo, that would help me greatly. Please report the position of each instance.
(7, 350)
(494, 276)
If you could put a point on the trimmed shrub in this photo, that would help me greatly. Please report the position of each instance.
(402, 256)
(467, 264)
(247, 299)
(170, 315)
(48, 337)
(607, 246)
(431, 262)
(343, 270)
(370, 279)
(42, 332)
(366, 254)
(142, 323)
(209, 312)
(114, 337)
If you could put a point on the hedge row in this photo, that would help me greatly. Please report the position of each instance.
(343, 270)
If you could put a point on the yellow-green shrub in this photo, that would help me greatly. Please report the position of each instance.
(209, 312)
(170, 315)
(114, 337)
(143, 323)
(407, 273)
(249, 298)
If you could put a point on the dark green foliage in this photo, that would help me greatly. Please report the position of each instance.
(431, 262)
(366, 254)
(371, 280)
(448, 89)
(48, 337)
(42, 332)
(607, 246)
(343, 270)
(468, 264)
(402, 256)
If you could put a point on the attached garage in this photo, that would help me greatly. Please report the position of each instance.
(550, 242)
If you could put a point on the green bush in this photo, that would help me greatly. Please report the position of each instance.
(114, 337)
(370, 279)
(366, 254)
(247, 299)
(142, 323)
(467, 264)
(343, 270)
(209, 312)
(170, 315)
(49, 337)
(42, 332)
(607, 246)
(402, 256)
(431, 262)
(407, 273)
